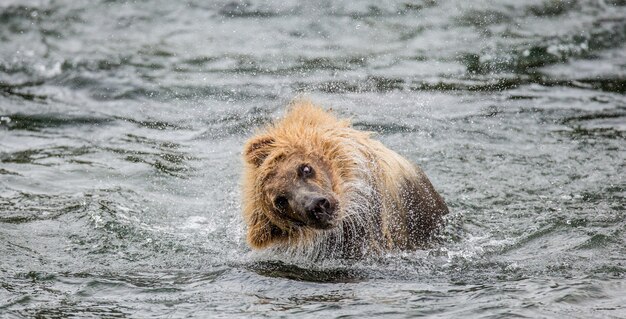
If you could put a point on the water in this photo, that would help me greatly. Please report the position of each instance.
(121, 127)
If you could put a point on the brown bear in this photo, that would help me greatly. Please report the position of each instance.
(316, 186)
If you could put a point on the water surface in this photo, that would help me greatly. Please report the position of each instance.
(122, 122)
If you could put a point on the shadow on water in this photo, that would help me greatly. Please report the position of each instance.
(76, 310)
(279, 269)
(384, 128)
(46, 156)
(36, 122)
(21, 91)
(26, 207)
(524, 59)
(471, 83)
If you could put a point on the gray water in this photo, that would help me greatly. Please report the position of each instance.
(122, 122)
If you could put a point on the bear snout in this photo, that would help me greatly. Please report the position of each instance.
(321, 211)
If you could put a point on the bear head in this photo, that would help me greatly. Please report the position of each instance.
(290, 191)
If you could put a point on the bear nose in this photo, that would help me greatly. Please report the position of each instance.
(320, 208)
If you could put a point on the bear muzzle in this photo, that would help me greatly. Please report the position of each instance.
(321, 211)
(318, 210)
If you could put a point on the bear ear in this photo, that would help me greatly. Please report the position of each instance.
(257, 149)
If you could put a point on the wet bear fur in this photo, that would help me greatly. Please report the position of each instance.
(315, 186)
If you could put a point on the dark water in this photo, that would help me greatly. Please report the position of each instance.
(121, 125)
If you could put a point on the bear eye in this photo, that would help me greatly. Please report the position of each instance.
(306, 170)
(281, 202)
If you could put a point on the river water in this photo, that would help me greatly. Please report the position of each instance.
(122, 123)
